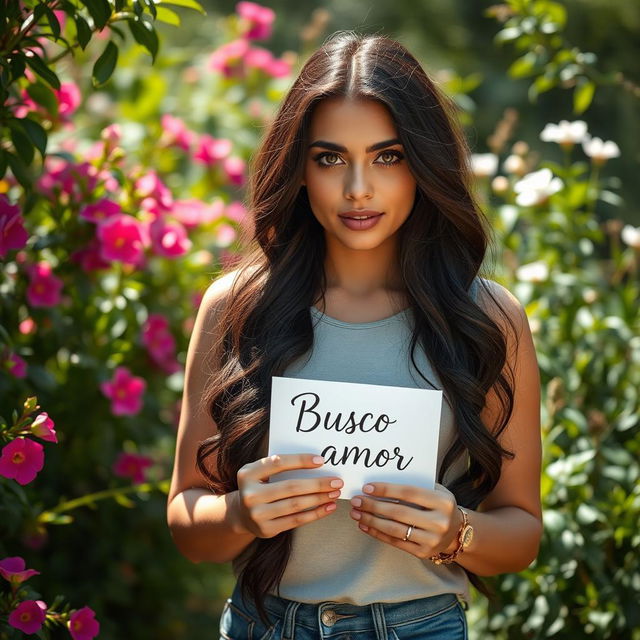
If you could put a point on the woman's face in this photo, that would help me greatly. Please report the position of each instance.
(355, 167)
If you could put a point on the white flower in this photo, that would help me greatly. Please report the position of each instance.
(565, 133)
(515, 164)
(631, 236)
(600, 151)
(536, 187)
(484, 165)
(500, 185)
(533, 272)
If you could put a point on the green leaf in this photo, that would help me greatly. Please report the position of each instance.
(544, 83)
(83, 31)
(189, 4)
(41, 94)
(105, 64)
(152, 8)
(36, 63)
(168, 16)
(3, 163)
(36, 133)
(145, 35)
(21, 142)
(523, 66)
(53, 22)
(100, 11)
(582, 96)
(17, 66)
(19, 170)
(123, 501)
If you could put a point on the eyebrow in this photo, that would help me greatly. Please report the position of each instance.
(332, 146)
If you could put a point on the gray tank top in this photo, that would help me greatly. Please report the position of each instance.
(331, 559)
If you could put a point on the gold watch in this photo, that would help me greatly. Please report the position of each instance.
(465, 535)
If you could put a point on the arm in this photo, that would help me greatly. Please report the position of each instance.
(202, 524)
(508, 523)
(216, 528)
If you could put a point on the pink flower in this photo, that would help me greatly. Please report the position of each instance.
(131, 465)
(259, 58)
(13, 570)
(160, 343)
(83, 624)
(43, 427)
(61, 176)
(194, 212)
(44, 288)
(122, 238)
(169, 239)
(13, 235)
(27, 326)
(259, 18)
(125, 392)
(69, 98)
(89, 258)
(28, 616)
(112, 134)
(225, 235)
(21, 460)
(15, 365)
(210, 150)
(100, 210)
(234, 169)
(236, 211)
(150, 186)
(175, 132)
(278, 68)
(229, 58)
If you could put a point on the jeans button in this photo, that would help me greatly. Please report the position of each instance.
(328, 617)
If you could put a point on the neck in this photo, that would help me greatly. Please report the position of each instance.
(362, 273)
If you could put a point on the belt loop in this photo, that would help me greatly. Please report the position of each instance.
(288, 626)
(379, 623)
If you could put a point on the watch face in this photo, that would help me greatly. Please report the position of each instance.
(467, 536)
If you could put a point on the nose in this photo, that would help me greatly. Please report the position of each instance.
(357, 186)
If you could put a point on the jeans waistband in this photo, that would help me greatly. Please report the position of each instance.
(350, 617)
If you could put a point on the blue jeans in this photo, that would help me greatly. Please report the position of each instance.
(439, 617)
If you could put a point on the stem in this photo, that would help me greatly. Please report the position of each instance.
(89, 499)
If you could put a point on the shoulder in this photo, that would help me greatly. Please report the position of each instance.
(500, 304)
(221, 291)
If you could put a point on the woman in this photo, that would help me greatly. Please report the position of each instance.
(364, 268)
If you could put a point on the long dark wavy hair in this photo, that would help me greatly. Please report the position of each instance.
(442, 244)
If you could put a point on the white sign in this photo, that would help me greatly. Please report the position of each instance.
(365, 432)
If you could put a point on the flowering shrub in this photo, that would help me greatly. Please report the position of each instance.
(110, 233)
(105, 258)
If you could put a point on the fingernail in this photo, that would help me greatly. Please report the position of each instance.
(364, 527)
(336, 483)
(330, 507)
(356, 502)
(368, 488)
(356, 515)
(318, 460)
(334, 494)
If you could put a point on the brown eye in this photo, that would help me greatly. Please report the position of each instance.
(327, 155)
(395, 157)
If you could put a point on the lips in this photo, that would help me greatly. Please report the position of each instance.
(359, 214)
(360, 220)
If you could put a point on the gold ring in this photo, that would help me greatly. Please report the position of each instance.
(408, 534)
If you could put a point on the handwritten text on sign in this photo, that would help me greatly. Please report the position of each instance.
(365, 432)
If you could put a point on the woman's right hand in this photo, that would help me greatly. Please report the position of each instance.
(265, 509)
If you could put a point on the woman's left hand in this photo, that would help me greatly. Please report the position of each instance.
(435, 518)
